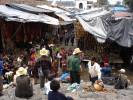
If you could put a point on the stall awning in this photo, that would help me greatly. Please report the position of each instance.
(65, 23)
(58, 10)
(93, 24)
(102, 26)
(64, 17)
(11, 14)
(28, 8)
(55, 9)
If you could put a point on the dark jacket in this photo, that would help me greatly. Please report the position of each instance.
(1, 84)
(55, 95)
(24, 87)
(45, 63)
(1, 67)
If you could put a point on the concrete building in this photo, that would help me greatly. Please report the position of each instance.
(80, 4)
(31, 2)
(85, 4)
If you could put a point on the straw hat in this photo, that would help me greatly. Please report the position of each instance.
(51, 45)
(44, 52)
(122, 70)
(76, 51)
(21, 71)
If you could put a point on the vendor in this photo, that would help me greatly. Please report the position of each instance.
(24, 87)
(1, 74)
(106, 69)
(94, 70)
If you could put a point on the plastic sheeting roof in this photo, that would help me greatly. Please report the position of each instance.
(93, 24)
(101, 26)
(30, 9)
(94, 14)
(55, 9)
(64, 17)
(21, 16)
(119, 8)
(65, 23)
(98, 30)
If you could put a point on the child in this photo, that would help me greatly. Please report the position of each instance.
(54, 94)
(47, 85)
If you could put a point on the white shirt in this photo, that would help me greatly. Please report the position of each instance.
(59, 56)
(47, 87)
(94, 70)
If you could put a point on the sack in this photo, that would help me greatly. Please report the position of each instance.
(40, 72)
(120, 83)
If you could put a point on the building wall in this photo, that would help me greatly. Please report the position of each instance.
(85, 4)
(31, 2)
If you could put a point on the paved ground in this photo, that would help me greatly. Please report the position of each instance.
(110, 95)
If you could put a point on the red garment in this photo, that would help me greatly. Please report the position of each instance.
(33, 59)
(64, 65)
(54, 68)
(106, 59)
(63, 53)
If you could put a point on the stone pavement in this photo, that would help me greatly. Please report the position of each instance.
(39, 95)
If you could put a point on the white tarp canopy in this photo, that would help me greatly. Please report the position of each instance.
(88, 11)
(65, 17)
(60, 13)
(17, 15)
(55, 9)
(102, 26)
(92, 23)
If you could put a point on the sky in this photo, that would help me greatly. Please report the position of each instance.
(110, 1)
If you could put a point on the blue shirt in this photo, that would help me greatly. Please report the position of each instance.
(55, 95)
(1, 67)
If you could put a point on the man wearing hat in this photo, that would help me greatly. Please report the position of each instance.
(43, 66)
(74, 66)
(24, 87)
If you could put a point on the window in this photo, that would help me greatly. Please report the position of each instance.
(89, 2)
(88, 7)
(81, 5)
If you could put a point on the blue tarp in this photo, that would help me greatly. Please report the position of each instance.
(119, 8)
